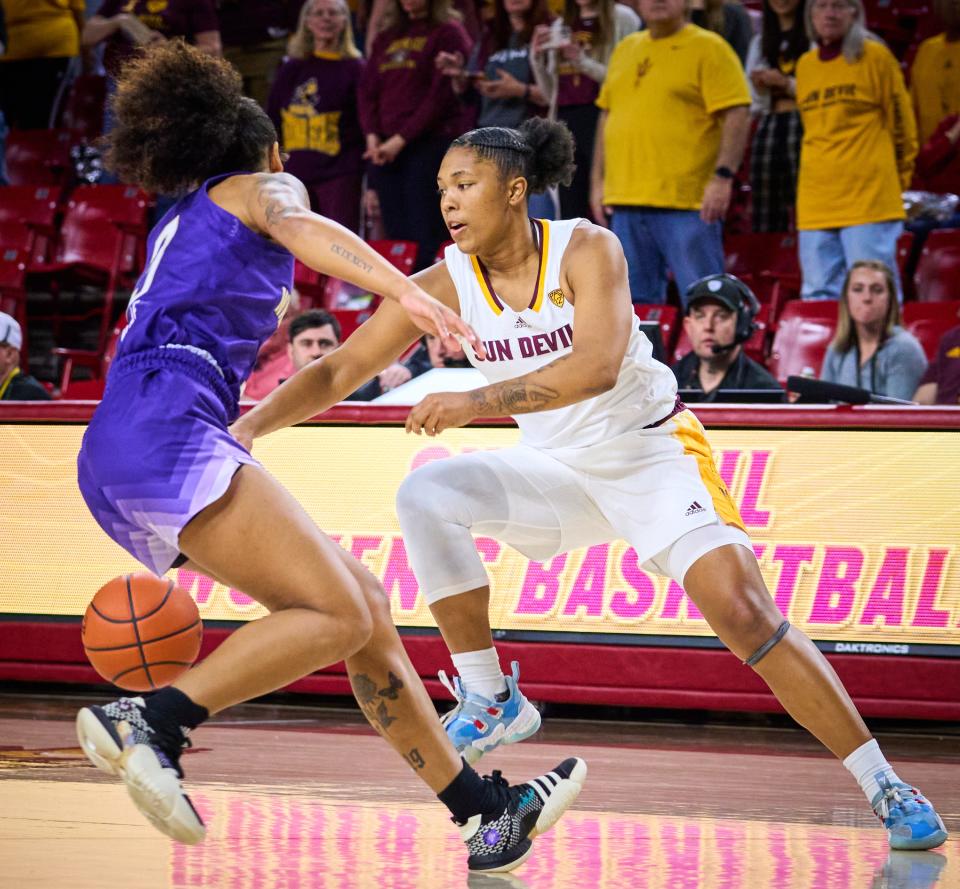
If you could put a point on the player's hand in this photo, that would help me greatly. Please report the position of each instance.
(443, 410)
(716, 199)
(242, 434)
(434, 317)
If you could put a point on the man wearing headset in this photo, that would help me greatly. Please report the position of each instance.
(720, 313)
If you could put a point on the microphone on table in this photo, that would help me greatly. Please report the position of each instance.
(822, 392)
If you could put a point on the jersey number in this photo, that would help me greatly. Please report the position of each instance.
(159, 248)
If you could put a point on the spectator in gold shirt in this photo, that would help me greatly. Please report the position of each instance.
(858, 151)
(935, 73)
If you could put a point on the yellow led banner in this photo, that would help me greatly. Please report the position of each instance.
(856, 533)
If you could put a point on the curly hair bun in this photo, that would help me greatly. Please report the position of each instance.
(181, 118)
(552, 145)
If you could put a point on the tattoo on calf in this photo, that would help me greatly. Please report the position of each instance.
(365, 690)
(342, 251)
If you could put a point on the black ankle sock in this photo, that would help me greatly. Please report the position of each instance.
(468, 795)
(168, 712)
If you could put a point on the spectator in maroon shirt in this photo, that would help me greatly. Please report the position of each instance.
(254, 35)
(125, 24)
(409, 114)
(938, 163)
(941, 383)
(313, 104)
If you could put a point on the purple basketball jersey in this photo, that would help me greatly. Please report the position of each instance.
(210, 283)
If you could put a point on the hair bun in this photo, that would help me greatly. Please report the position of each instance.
(552, 144)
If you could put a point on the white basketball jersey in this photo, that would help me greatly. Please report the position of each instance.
(517, 343)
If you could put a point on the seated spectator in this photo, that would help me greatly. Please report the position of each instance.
(253, 33)
(728, 19)
(409, 114)
(720, 312)
(775, 150)
(858, 150)
(570, 64)
(14, 384)
(42, 38)
(431, 353)
(941, 383)
(313, 105)
(935, 73)
(310, 335)
(870, 349)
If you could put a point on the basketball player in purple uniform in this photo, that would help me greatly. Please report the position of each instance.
(606, 451)
(165, 479)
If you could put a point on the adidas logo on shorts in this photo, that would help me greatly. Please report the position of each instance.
(694, 508)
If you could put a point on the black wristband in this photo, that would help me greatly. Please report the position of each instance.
(724, 173)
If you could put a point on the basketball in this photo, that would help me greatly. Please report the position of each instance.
(140, 632)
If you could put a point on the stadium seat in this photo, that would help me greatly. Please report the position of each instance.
(665, 316)
(441, 250)
(84, 106)
(27, 217)
(767, 263)
(928, 321)
(906, 262)
(309, 284)
(98, 363)
(39, 157)
(401, 254)
(101, 243)
(350, 319)
(803, 333)
(938, 269)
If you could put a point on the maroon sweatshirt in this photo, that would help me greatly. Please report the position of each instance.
(938, 163)
(313, 106)
(402, 92)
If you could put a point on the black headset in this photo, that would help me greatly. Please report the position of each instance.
(748, 306)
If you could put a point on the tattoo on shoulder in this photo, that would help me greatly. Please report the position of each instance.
(275, 201)
(346, 254)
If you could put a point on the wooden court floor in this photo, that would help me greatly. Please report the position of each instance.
(298, 797)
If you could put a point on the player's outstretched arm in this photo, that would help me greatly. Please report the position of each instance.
(278, 207)
(375, 345)
(595, 271)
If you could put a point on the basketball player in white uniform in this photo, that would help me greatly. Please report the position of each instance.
(606, 452)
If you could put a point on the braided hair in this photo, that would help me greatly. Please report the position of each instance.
(540, 150)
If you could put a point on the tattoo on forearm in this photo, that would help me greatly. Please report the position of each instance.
(342, 251)
(373, 703)
(415, 759)
(513, 397)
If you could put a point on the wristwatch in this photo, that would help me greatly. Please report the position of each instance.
(724, 173)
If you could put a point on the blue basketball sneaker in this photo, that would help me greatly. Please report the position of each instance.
(477, 724)
(910, 820)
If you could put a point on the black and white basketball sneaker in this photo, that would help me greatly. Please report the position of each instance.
(501, 841)
(118, 740)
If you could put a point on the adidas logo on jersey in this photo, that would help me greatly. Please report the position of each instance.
(694, 508)
(521, 322)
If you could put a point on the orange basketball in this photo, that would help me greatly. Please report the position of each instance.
(141, 632)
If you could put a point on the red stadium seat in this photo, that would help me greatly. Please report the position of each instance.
(101, 243)
(938, 269)
(441, 250)
(665, 316)
(98, 363)
(27, 217)
(350, 319)
(930, 321)
(39, 157)
(84, 107)
(401, 254)
(767, 263)
(803, 334)
(309, 284)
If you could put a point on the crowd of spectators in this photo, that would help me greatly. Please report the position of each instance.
(664, 97)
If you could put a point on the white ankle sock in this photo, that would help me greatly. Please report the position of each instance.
(480, 672)
(864, 764)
